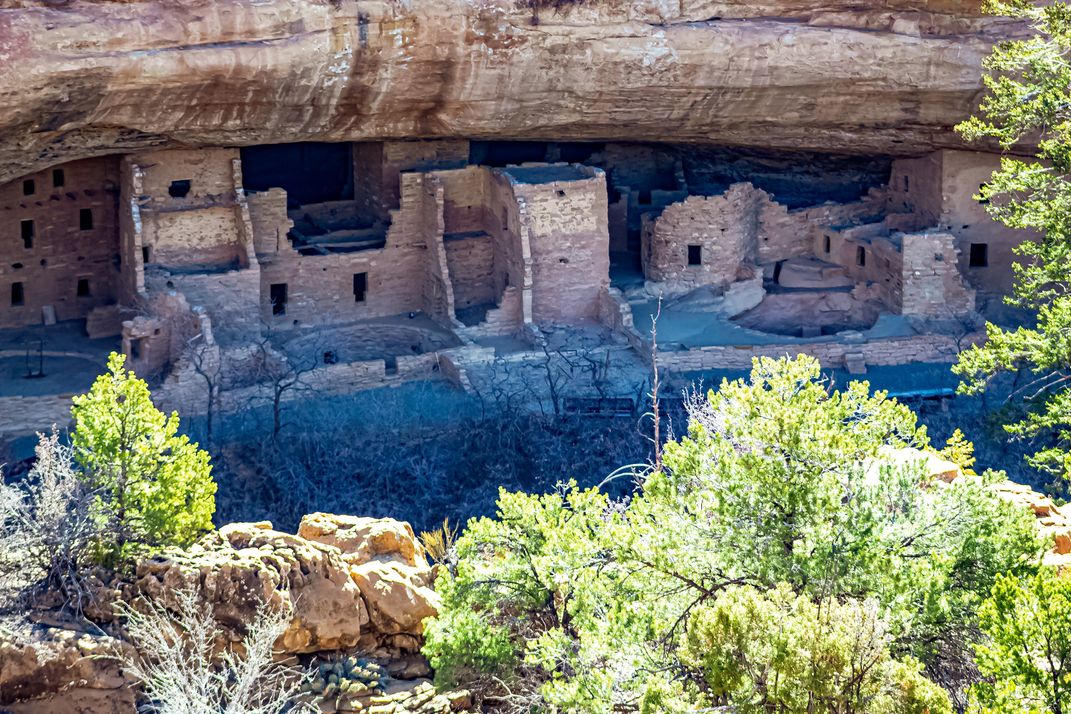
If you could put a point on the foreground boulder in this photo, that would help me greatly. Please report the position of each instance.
(348, 582)
(359, 585)
(389, 565)
(246, 564)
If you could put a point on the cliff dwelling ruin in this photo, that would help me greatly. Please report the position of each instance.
(367, 264)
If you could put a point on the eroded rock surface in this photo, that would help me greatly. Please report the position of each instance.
(84, 78)
(59, 671)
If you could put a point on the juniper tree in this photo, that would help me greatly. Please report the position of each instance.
(1028, 101)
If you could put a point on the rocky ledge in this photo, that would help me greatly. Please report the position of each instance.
(358, 590)
(81, 78)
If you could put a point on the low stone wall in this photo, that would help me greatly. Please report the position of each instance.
(883, 352)
(24, 415)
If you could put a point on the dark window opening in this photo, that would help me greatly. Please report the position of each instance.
(135, 349)
(58, 179)
(695, 255)
(907, 184)
(310, 172)
(827, 244)
(144, 254)
(505, 280)
(18, 295)
(330, 357)
(644, 197)
(83, 287)
(179, 189)
(360, 286)
(277, 293)
(29, 188)
(27, 233)
(979, 255)
(506, 153)
(860, 256)
(85, 219)
(561, 194)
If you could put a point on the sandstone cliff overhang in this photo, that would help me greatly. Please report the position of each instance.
(86, 78)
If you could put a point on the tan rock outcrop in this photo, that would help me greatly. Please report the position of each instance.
(388, 563)
(50, 670)
(364, 539)
(246, 564)
(84, 78)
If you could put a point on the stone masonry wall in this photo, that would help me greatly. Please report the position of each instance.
(964, 172)
(378, 167)
(44, 268)
(471, 262)
(725, 228)
(470, 227)
(914, 191)
(892, 351)
(566, 224)
(200, 229)
(320, 287)
(267, 213)
(932, 283)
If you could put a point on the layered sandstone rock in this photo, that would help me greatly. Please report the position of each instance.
(84, 78)
(75, 672)
(388, 564)
(349, 584)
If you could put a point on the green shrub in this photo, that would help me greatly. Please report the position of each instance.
(574, 602)
(155, 485)
(1027, 657)
(778, 651)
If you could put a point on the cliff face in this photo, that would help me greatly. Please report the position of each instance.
(84, 78)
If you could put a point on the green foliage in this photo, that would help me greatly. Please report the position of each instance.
(1028, 86)
(785, 494)
(960, 452)
(155, 485)
(779, 651)
(1027, 659)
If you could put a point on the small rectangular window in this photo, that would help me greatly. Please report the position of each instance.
(29, 188)
(18, 296)
(83, 287)
(827, 244)
(277, 293)
(979, 255)
(360, 286)
(85, 219)
(27, 233)
(860, 256)
(179, 189)
(58, 179)
(135, 349)
(695, 255)
(907, 184)
(145, 254)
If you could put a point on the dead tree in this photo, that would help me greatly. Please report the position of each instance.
(283, 375)
(655, 384)
(206, 360)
